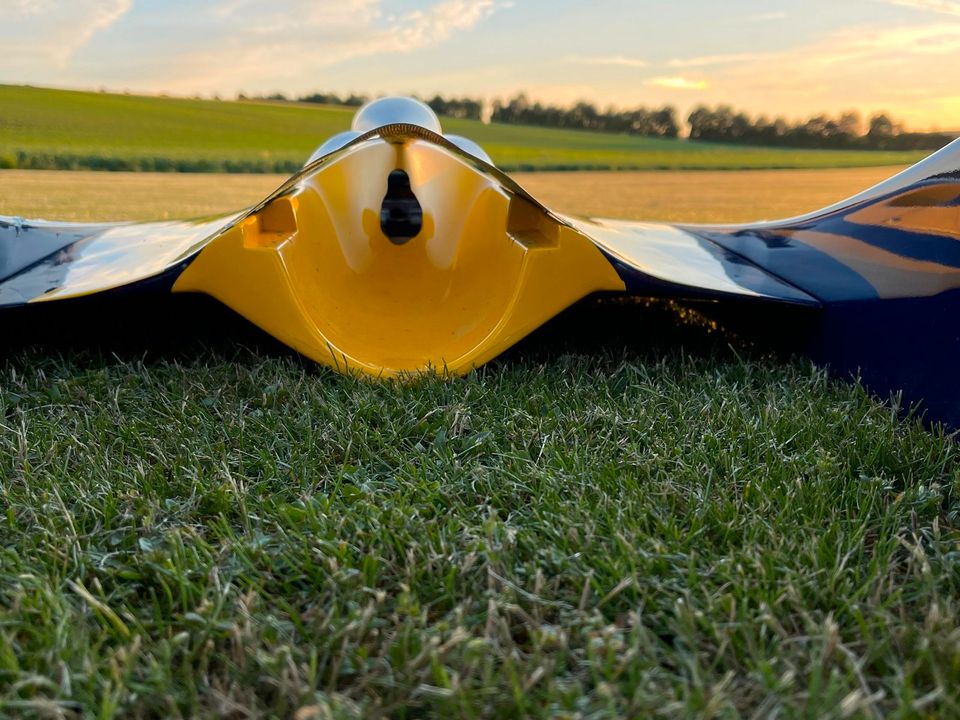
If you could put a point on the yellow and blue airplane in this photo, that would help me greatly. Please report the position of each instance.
(398, 249)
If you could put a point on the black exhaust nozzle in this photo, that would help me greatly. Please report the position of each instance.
(401, 216)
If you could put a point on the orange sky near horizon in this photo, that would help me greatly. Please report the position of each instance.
(769, 57)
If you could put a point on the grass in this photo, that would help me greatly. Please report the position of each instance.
(599, 535)
(123, 132)
(654, 521)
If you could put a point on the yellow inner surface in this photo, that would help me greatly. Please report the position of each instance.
(315, 270)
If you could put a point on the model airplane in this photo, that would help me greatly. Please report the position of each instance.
(397, 249)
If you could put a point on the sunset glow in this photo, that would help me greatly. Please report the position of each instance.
(775, 58)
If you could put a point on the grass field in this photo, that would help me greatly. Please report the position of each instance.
(691, 196)
(57, 129)
(659, 522)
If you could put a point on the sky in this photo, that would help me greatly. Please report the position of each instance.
(774, 57)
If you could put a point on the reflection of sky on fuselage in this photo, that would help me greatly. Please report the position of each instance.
(775, 57)
(682, 259)
(24, 243)
(115, 257)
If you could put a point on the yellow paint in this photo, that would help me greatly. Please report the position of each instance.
(314, 269)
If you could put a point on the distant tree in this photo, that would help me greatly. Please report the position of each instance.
(881, 127)
(664, 123)
(438, 105)
(322, 99)
(713, 124)
(740, 126)
(462, 109)
(723, 124)
(851, 124)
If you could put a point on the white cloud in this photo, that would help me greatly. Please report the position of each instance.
(53, 31)
(679, 83)
(707, 60)
(897, 69)
(615, 60)
(225, 45)
(946, 7)
(856, 50)
(442, 20)
(767, 16)
(300, 39)
(24, 8)
(293, 16)
(845, 52)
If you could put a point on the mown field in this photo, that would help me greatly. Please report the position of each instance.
(57, 129)
(691, 196)
(626, 516)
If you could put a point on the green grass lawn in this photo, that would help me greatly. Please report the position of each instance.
(57, 129)
(662, 527)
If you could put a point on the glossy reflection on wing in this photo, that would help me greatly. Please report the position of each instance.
(333, 144)
(470, 147)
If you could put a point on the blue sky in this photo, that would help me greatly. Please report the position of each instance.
(773, 57)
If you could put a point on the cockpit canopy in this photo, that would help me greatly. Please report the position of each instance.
(393, 111)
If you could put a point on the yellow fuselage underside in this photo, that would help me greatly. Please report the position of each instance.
(314, 269)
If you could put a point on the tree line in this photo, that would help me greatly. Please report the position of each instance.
(658, 122)
(721, 124)
(844, 132)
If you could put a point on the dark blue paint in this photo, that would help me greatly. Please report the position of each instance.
(907, 345)
(806, 267)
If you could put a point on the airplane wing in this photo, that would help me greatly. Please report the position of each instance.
(397, 249)
(884, 269)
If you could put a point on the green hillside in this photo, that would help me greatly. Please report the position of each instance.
(60, 129)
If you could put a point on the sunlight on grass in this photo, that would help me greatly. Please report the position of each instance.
(609, 534)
